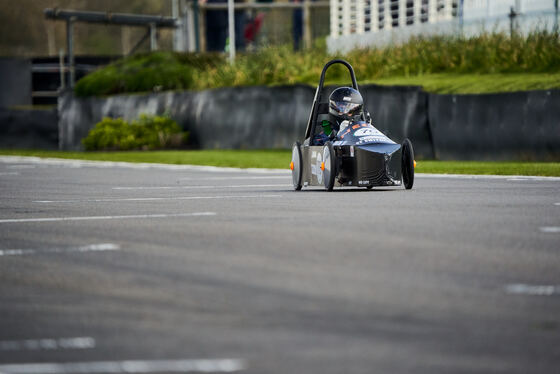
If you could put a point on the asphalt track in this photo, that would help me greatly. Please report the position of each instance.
(136, 269)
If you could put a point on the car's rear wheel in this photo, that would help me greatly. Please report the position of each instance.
(407, 164)
(296, 166)
(328, 166)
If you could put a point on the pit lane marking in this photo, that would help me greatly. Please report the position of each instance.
(228, 365)
(532, 289)
(156, 199)
(200, 187)
(550, 229)
(80, 342)
(84, 248)
(93, 218)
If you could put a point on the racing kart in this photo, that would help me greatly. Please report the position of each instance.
(356, 155)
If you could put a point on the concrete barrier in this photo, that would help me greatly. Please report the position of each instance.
(28, 129)
(522, 125)
(246, 117)
(505, 126)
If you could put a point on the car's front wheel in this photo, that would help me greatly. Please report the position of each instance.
(328, 166)
(296, 166)
(407, 164)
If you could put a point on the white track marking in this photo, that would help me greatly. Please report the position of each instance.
(9, 173)
(134, 165)
(231, 178)
(558, 204)
(20, 166)
(156, 199)
(85, 248)
(498, 177)
(550, 229)
(92, 218)
(137, 366)
(201, 187)
(216, 169)
(81, 342)
(536, 290)
(517, 179)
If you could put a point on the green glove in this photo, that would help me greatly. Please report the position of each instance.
(326, 127)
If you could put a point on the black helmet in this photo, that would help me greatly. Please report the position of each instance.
(345, 103)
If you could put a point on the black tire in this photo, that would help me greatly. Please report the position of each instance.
(407, 164)
(296, 166)
(329, 159)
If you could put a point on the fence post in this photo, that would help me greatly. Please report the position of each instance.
(374, 13)
(70, 48)
(432, 11)
(345, 17)
(231, 31)
(360, 17)
(402, 13)
(335, 32)
(556, 16)
(306, 24)
(387, 17)
(153, 37)
(417, 12)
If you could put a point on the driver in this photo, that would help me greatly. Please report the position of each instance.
(345, 105)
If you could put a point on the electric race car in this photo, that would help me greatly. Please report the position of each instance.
(342, 148)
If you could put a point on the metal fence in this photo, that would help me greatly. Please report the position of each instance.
(365, 23)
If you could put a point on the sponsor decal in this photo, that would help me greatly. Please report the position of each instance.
(367, 131)
(363, 183)
(347, 98)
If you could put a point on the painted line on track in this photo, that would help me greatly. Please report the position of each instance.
(133, 165)
(93, 218)
(232, 178)
(9, 173)
(133, 366)
(124, 199)
(532, 289)
(550, 229)
(85, 248)
(217, 169)
(199, 187)
(482, 176)
(81, 342)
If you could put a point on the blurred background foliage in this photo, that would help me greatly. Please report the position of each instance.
(487, 54)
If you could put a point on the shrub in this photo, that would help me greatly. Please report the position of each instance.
(139, 73)
(148, 132)
(537, 52)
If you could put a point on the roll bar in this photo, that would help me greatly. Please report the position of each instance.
(312, 121)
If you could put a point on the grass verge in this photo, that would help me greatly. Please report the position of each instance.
(280, 159)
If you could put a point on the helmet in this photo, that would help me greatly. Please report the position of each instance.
(345, 103)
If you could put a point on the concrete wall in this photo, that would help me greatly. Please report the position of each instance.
(522, 125)
(246, 117)
(15, 82)
(28, 129)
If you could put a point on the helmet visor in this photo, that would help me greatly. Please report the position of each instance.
(345, 108)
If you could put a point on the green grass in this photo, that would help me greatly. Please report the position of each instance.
(476, 83)
(549, 169)
(227, 158)
(280, 159)
(449, 64)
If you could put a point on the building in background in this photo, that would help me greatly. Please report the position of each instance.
(365, 23)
